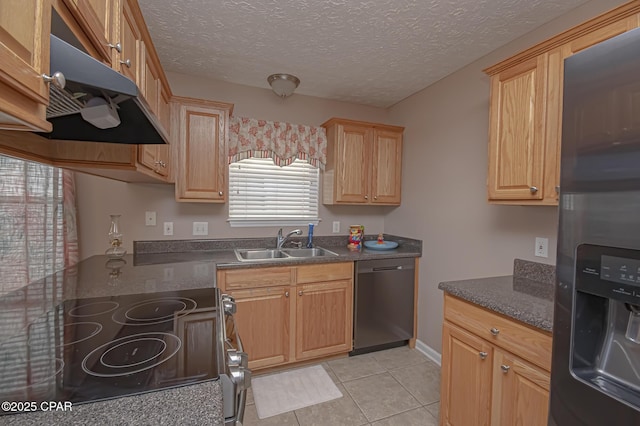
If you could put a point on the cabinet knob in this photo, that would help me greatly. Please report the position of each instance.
(220, 193)
(366, 197)
(375, 197)
(505, 368)
(116, 46)
(483, 355)
(494, 331)
(127, 63)
(57, 79)
(286, 294)
(300, 293)
(533, 189)
(557, 189)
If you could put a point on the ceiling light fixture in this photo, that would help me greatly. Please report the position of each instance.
(283, 85)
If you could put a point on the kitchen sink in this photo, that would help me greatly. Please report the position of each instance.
(255, 255)
(308, 252)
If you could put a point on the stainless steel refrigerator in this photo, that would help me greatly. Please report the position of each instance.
(595, 373)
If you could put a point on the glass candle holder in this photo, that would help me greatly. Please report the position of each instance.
(115, 239)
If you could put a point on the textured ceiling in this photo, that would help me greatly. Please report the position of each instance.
(372, 52)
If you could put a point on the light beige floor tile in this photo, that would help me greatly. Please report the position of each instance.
(250, 397)
(285, 419)
(417, 417)
(380, 396)
(341, 411)
(399, 357)
(330, 373)
(422, 380)
(434, 409)
(355, 367)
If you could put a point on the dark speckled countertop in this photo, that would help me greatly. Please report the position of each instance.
(526, 296)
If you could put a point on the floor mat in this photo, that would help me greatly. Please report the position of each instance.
(279, 393)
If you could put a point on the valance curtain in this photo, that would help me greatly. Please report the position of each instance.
(37, 220)
(283, 142)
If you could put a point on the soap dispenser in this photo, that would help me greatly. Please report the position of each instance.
(310, 237)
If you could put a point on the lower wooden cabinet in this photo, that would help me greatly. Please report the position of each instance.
(495, 371)
(263, 321)
(324, 318)
(284, 316)
(466, 378)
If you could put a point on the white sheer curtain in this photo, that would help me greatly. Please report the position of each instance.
(38, 231)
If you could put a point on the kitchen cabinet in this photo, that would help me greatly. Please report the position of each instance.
(201, 132)
(364, 163)
(466, 378)
(290, 314)
(97, 20)
(495, 370)
(24, 58)
(525, 124)
(130, 58)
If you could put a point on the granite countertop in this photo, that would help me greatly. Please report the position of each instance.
(221, 252)
(526, 296)
(198, 404)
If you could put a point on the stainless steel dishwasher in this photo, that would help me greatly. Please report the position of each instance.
(383, 304)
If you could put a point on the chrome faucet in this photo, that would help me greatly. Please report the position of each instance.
(281, 240)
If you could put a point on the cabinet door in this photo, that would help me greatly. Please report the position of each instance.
(24, 57)
(263, 319)
(323, 318)
(96, 18)
(517, 129)
(520, 392)
(465, 378)
(131, 42)
(353, 163)
(151, 82)
(387, 167)
(201, 173)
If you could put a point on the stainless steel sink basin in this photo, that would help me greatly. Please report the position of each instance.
(308, 252)
(260, 254)
(256, 255)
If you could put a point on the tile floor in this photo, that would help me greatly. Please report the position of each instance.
(395, 387)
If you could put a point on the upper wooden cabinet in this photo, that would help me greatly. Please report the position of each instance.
(130, 60)
(24, 57)
(201, 129)
(516, 157)
(525, 124)
(97, 20)
(364, 163)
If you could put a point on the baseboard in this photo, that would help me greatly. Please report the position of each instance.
(429, 352)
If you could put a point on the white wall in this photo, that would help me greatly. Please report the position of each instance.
(99, 197)
(444, 182)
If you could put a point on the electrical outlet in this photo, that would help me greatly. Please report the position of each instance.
(200, 228)
(336, 227)
(168, 228)
(542, 247)
(150, 218)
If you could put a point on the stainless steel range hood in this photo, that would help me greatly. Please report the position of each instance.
(90, 82)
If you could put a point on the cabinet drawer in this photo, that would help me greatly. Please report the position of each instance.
(529, 344)
(255, 277)
(324, 272)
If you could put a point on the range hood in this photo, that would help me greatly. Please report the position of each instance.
(95, 92)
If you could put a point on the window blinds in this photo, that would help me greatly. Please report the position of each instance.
(262, 193)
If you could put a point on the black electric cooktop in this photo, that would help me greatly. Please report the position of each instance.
(99, 348)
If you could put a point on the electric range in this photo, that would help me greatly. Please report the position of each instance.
(92, 349)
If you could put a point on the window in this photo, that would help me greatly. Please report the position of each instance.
(261, 193)
(37, 222)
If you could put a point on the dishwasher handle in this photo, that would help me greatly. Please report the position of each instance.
(387, 268)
